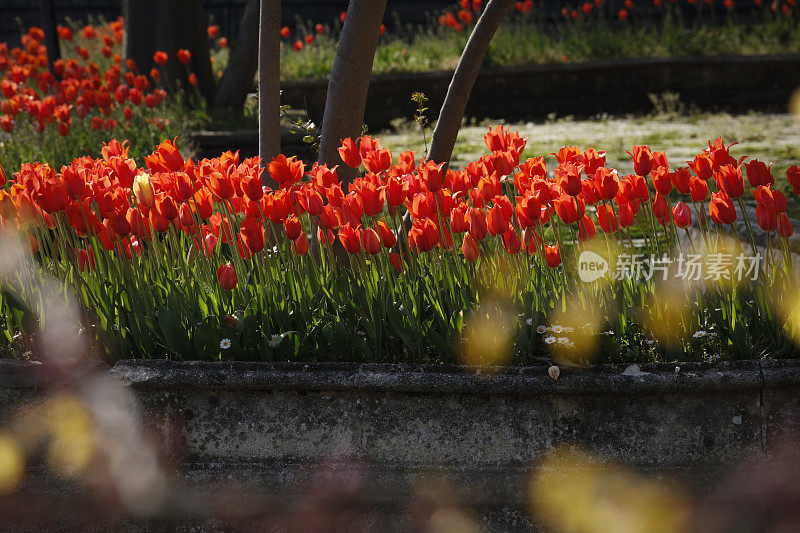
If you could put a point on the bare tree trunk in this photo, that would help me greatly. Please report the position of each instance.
(349, 81)
(242, 63)
(169, 25)
(48, 15)
(269, 84)
(446, 132)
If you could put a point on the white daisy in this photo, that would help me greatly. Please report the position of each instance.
(568, 329)
(557, 329)
(529, 321)
(224, 344)
(541, 330)
(360, 333)
(700, 334)
(275, 337)
(549, 340)
(563, 340)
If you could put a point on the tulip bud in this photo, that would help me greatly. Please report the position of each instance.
(231, 321)
(470, 248)
(785, 228)
(293, 228)
(372, 242)
(301, 244)
(143, 190)
(682, 215)
(226, 275)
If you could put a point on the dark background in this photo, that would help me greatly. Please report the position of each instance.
(226, 13)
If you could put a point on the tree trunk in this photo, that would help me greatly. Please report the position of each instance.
(168, 26)
(347, 89)
(269, 84)
(242, 63)
(48, 17)
(446, 132)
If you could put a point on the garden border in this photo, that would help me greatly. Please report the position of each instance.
(266, 424)
(619, 86)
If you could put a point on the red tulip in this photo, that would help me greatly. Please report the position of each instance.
(567, 209)
(377, 160)
(682, 215)
(528, 210)
(568, 177)
(607, 218)
(607, 183)
(729, 179)
(477, 224)
(758, 173)
(552, 255)
(301, 245)
(469, 248)
(721, 208)
(160, 58)
(396, 261)
(662, 180)
(252, 233)
(660, 208)
(511, 241)
(785, 228)
(497, 221)
(184, 56)
(292, 227)
(424, 235)
(627, 214)
(388, 238)
(767, 217)
(372, 241)
(703, 166)
(642, 160)
(698, 189)
(459, 219)
(86, 260)
(431, 176)
(226, 275)
(286, 171)
(350, 237)
(586, 229)
(349, 153)
(793, 175)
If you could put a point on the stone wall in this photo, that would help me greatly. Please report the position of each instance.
(261, 428)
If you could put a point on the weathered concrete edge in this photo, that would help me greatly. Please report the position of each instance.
(431, 379)
(439, 379)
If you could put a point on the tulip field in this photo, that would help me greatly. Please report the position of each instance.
(523, 251)
(199, 260)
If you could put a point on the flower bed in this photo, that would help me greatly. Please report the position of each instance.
(53, 113)
(504, 261)
(581, 32)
